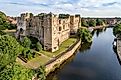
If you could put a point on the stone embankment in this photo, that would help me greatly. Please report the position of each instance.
(55, 63)
(119, 48)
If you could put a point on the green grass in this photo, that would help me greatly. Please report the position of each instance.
(45, 56)
(35, 62)
(40, 60)
(63, 47)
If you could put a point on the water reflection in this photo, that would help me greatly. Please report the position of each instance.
(85, 47)
(98, 31)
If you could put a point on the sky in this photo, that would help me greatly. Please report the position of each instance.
(87, 8)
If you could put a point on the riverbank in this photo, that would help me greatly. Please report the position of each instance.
(94, 62)
(55, 63)
(118, 44)
(96, 27)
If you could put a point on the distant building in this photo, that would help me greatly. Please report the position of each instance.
(50, 29)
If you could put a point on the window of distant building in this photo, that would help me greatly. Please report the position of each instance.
(63, 21)
(59, 28)
(63, 26)
(59, 21)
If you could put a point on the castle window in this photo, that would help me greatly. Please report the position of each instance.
(63, 26)
(64, 22)
(59, 28)
(55, 47)
(59, 21)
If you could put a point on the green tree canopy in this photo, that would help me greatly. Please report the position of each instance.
(92, 23)
(9, 69)
(9, 49)
(99, 22)
(19, 72)
(38, 46)
(4, 23)
(84, 34)
(117, 30)
(84, 23)
(26, 42)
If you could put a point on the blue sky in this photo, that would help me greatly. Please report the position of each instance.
(94, 8)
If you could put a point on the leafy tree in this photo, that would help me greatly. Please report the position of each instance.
(84, 34)
(19, 72)
(4, 23)
(38, 46)
(92, 23)
(99, 22)
(84, 23)
(26, 42)
(105, 22)
(2, 33)
(9, 49)
(117, 30)
(27, 54)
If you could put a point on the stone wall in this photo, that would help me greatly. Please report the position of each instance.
(51, 66)
(119, 48)
(50, 29)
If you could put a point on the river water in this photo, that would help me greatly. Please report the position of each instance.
(95, 61)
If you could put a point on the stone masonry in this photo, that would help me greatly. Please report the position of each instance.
(50, 29)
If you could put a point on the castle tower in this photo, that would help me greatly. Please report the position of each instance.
(75, 23)
(50, 32)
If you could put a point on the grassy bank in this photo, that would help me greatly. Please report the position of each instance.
(63, 47)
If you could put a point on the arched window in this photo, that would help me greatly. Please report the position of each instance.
(59, 28)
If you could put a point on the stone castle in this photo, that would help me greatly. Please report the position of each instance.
(50, 29)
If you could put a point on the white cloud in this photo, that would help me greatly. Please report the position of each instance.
(84, 7)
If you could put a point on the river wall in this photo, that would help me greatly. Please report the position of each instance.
(119, 48)
(52, 65)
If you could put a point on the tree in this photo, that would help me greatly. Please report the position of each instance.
(9, 69)
(9, 49)
(117, 30)
(26, 42)
(99, 22)
(84, 23)
(84, 34)
(2, 33)
(92, 23)
(38, 46)
(4, 23)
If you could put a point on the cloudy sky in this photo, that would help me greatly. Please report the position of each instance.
(91, 8)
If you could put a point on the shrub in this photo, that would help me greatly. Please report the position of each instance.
(38, 46)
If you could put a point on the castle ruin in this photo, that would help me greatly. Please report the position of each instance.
(50, 29)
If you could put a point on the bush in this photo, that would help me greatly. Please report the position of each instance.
(16, 72)
(84, 34)
(38, 46)
(26, 42)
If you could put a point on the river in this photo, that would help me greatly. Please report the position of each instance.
(95, 61)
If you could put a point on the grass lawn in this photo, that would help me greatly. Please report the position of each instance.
(45, 56)
(64, 46)
(35, 62)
